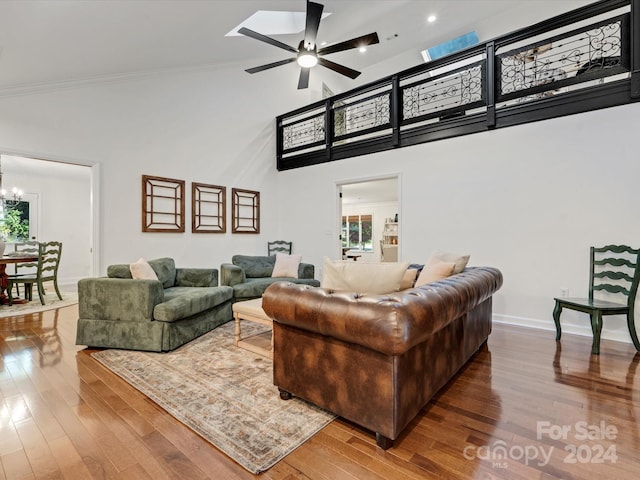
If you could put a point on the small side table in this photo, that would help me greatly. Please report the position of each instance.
(251, 310)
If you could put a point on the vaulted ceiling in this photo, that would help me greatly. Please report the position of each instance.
(48, 42)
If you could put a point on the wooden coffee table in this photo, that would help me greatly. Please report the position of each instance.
(251, 310)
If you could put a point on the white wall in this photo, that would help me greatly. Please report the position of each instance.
(529, 200)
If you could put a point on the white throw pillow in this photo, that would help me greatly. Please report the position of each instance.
(362, 277)
(141, 270)
(286, 265)
(460, 260)
(434, 269)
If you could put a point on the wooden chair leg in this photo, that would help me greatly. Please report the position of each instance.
(41, 292)
(9, 295)
(55, 285)
(557, 310)
(596, 327)
(632, 331)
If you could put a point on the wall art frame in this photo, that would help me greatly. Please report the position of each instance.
(245, 211)
(208, 208)
(163, 204)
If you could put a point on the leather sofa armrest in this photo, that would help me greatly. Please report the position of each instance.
(391, 323)
(306, 270)
(231, 275)
(196, 277)
(118, 298)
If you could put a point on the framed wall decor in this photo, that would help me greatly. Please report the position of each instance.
(208, 208)
(245, 211)
(162, 204)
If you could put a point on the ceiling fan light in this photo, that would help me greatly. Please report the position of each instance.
(307, 60)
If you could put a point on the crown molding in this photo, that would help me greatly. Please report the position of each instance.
(46, 87)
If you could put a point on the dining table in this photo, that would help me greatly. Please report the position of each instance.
(4, 278)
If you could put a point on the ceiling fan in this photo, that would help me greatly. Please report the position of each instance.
(308, 55)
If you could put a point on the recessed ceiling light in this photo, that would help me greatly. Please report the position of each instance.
(431, 18)
(362, 49)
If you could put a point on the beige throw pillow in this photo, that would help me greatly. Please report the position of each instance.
(434, 269)
(362, 277)
(409, 278)
(141, 270)
(286, 265)
(460, 260)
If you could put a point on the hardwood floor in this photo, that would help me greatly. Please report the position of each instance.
(524, 408)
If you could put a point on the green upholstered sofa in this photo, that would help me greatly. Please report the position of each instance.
(118, 311)
(250, 275)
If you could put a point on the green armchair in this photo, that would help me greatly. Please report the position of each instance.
(118, 311)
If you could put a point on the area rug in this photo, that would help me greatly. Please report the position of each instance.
(225, 394)
(34, 306)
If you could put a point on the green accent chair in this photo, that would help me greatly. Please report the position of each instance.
(49, 254)
(249, 276)
(615, 272)
(118, 311)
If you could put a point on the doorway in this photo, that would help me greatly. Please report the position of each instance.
(62, 201)
(368, 213)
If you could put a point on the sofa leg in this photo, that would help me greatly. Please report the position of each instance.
(284, 395)
(383, 442)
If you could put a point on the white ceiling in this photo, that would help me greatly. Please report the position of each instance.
(52, 41)
(374, 191)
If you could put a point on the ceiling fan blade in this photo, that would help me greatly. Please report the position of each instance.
(303, 81)
(265, 39)
(270, 65)
(314, 15)
(336, 67)
(364, 40)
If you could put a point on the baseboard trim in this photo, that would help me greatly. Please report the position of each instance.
(585, 331)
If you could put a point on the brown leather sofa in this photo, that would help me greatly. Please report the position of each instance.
(377, 360)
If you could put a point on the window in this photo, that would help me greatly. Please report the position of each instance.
(357, 232)
(14, 220)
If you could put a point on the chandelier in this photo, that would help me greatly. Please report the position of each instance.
(12, 199)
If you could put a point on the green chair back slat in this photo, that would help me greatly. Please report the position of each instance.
(612, 288)
(614, 275)
(619, 249)
(616, 262)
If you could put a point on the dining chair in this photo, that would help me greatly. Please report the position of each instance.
(279, 246)
(613, 284)
(28, 268)
(47, 270)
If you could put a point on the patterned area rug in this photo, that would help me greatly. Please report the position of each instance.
(225, 394)
(34, 306)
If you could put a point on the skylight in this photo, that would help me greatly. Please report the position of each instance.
(269, 22)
